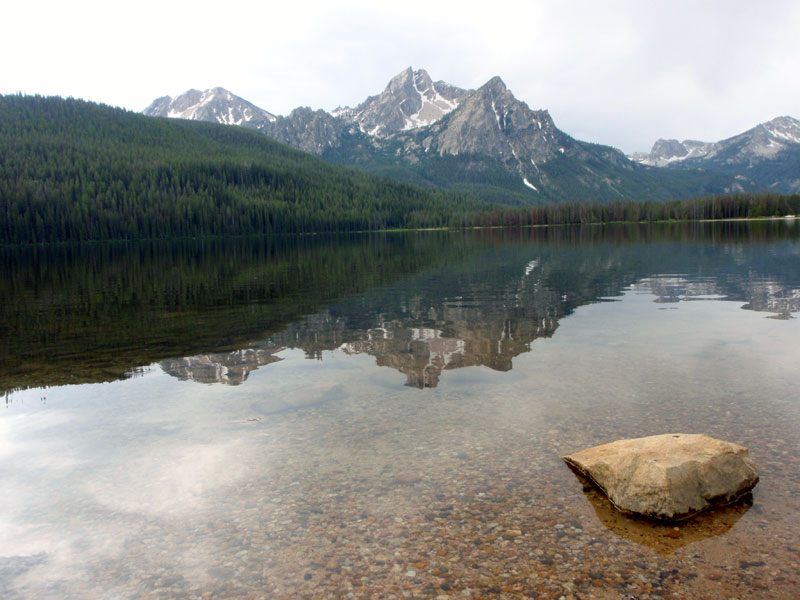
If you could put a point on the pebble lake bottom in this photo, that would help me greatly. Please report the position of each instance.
(326, 475)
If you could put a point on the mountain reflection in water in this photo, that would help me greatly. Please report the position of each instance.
(420, 303)
(439, 321)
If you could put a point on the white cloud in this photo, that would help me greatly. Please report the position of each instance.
(622, 73)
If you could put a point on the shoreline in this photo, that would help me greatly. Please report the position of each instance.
(781, 219)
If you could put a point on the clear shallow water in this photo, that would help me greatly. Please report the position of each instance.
(393, 428)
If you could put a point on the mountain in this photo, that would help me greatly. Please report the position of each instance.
(496, 147)
(411, 100)
(665, 152)
(766, 140)
(483, 142)
(764, 157)
(74, 170)
(492, 138)
(312, 131)
(216, 105)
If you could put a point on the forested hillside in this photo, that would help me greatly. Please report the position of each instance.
(72, 170)
(75, 170)
(709, 208)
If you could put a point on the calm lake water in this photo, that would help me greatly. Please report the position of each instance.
(384, 415)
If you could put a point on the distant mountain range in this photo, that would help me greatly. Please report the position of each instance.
(764, 141)
(489, 143)
(766, 157)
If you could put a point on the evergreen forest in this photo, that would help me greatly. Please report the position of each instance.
(72, 170)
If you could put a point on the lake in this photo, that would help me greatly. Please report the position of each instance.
(384, 415)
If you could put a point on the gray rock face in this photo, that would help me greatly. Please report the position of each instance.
(665, 152)
(670, 477)
(312, 131)
(669, 149)
(764, 157)
(217, 105)
(764, 141)
(411, 100)
(492, 125)
(482, 139)
(159, 107)
(493, 122)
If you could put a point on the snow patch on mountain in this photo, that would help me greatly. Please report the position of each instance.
(410, 101)
(665, 152)
(215, 105)
(433, 106)
(762, 141)
(784, 128)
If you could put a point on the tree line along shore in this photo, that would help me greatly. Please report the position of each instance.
(77, 171)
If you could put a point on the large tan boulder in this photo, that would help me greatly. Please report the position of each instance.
(671, 476)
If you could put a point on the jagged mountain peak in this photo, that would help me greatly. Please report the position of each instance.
(763, 157)
(666, 151)
(495, 85)
(764, 141)
(493, 123)
(408, 77)
(313, 131)
(214, 104)
(487, 137)
(784, 128)
(784, 120)
(410, 100)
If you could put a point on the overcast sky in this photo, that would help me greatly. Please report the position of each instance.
(621, 73)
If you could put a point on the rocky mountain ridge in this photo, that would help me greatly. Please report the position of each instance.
(484, 135)
(217, 105)
(765, 140)
(411, 100)
(489, 143)
(665, 152)
(765, 156)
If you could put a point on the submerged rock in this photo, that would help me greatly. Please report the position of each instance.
(671, 476)
(665, 537)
